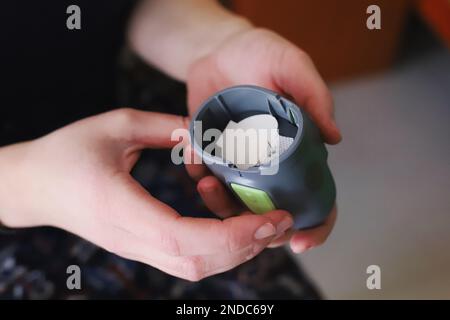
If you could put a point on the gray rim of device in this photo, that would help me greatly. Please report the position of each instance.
(286, 104)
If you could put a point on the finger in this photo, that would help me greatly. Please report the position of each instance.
(297, 76)
(223, 262)
(147, 129)
(155, 222)
(211, 236)
(191, 268)
(306, 239)
(217, 198)
(193, 163)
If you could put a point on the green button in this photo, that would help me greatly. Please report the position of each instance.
(256, 200)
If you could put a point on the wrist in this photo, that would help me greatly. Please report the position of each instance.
(172, 35)
(12, 186)
(218, 34)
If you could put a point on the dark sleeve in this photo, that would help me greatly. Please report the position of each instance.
(50, 75)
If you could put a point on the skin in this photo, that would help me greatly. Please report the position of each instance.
(78, 177)
(284, 68)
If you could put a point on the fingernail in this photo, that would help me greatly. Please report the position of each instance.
(284, 225)
(265, 231)
(302, 249)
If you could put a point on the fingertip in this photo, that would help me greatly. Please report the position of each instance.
(216, 197)
(282, 220)
(333, 134)
(333, 140)
(299, 246)
(196, 171)
(336, 137)
(208, 184)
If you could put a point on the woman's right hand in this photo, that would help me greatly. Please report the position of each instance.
(78, 179)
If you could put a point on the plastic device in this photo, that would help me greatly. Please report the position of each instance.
(302, 184)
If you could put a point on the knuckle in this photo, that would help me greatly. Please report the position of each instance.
(303, 56)
(192, 268)
(169, 244)
(124, 116)
(234, 241)
(261, 33)
(293, 56)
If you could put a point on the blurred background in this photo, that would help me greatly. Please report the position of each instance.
(392, 98)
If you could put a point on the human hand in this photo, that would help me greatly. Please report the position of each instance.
(263, 58)
(78, 179)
